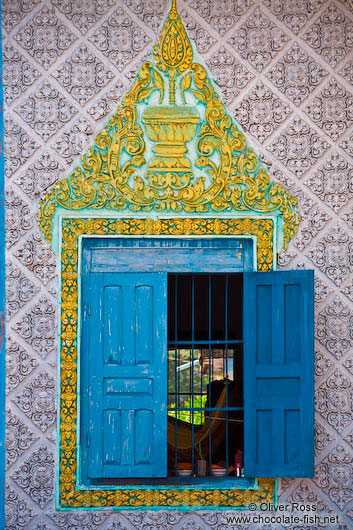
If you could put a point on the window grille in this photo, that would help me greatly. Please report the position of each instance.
(205, 404)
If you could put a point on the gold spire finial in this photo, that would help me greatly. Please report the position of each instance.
(173, 53)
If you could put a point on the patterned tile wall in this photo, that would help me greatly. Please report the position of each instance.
(285, 68)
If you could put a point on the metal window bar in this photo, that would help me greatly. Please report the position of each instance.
(209, 369)
(176, 371)
(225, 364)
(192, 372)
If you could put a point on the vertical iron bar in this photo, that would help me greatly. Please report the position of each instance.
(176, 366)
(226, 367)
(209, 372)
(192, 371)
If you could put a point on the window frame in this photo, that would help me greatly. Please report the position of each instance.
(235, 256)
(70, 495)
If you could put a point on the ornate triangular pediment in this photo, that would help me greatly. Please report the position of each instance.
(172, 147)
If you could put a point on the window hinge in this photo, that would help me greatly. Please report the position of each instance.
(88, 439)
(89, 310)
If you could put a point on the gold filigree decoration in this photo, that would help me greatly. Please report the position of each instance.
(173, 54)
(221, 174)
(72, 229)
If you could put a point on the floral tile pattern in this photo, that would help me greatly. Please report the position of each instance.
(85, 18)
(310, 227)
(323, 363)
(298, 146)
(83, 75)
(229, 73)
(334, 401)
(18, 218)
(78, 520)
(332, 109)
(333, 254)
(331, 35)
(37, 257)
(333, 182)
(294, 14)
(120, 39)
(14, 11)
(284, 67)
(18, 438)
(19, 146)
(36, 476)
(322, 290)
(347, 72)
(334, 474)
(221, 15)
(39, 175)
(19, 74)
(19, 290)
(107, 102)
(37, 401)
(151, 14)
(37, 327)
(73, 142)
(19, 364)
(18, 513)
(296, 74)
(45, 38)
(334, 327)
(322, 438)
(46, 110)
(198, 33)
(261, 112)
(347, 144)
(258, 40)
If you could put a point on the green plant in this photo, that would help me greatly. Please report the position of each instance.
(196, 417)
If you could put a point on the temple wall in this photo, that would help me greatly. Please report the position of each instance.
(286, 73)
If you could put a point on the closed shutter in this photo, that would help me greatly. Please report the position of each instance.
(126, 352)
(279, 374)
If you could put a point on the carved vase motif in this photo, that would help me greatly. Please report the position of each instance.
(170, 127)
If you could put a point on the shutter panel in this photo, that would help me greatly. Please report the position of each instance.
(279, 373)
(127, 415)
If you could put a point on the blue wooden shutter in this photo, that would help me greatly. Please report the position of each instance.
(279, 373)
(127, 380)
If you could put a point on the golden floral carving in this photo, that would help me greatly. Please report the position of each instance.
(173, 53)
(72, 229)
(224, 174)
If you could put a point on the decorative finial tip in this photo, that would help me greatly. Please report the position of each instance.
(173, 8)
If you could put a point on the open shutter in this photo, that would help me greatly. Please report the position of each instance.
(279, 373)
(127, 418)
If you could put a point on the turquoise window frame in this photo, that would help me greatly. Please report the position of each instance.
(247, 243)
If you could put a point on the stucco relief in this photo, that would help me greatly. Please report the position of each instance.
(314, 140)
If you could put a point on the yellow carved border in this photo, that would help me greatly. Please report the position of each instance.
(73, 228)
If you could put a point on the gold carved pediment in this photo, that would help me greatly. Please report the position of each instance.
(171, 146)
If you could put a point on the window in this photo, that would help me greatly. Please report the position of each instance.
(127, 398)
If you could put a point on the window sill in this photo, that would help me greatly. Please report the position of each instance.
(172, 483)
